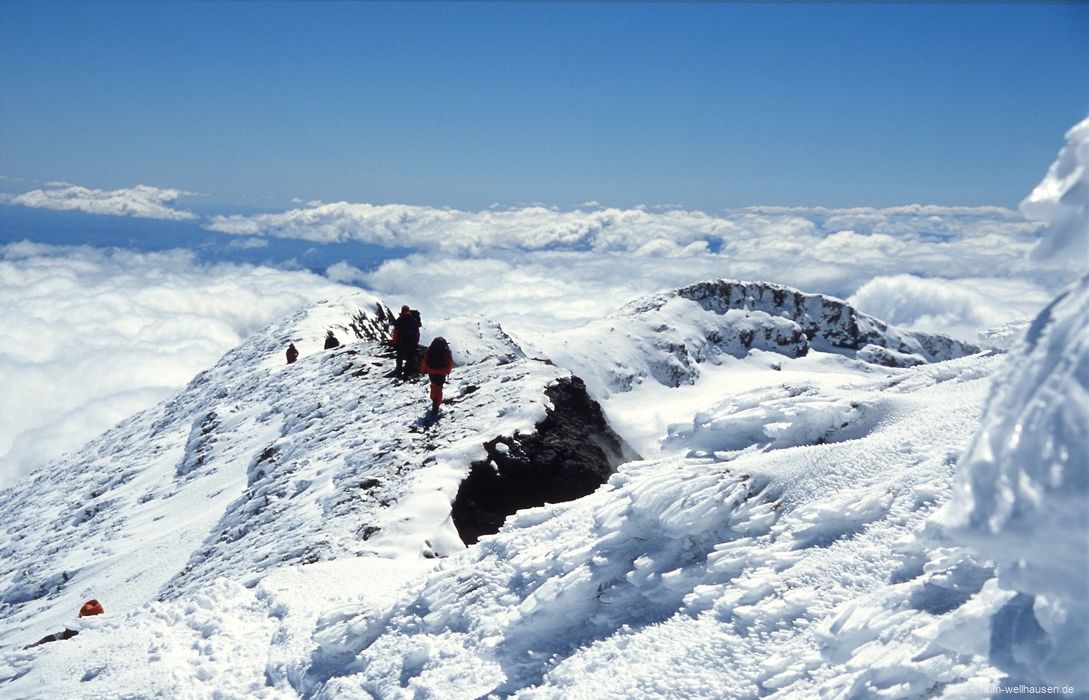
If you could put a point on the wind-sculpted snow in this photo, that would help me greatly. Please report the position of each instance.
(293, 526)
(784, 416)
(1022, 496)
(685, 577)
(990, 595)
(665, 337)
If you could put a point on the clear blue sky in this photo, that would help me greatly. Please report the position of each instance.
(706, 105)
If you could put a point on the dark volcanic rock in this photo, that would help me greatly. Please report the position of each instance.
(572, 452)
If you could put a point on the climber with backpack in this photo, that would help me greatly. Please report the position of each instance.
(406, 338)
(437, 364)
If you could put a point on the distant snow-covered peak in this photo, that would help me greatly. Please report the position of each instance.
(666, 336)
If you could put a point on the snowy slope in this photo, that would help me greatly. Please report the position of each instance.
(258, 465)
(281, 531)
(693, 577)
(815, 561)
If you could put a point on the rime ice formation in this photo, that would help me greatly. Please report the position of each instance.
(1022, 497)
(1062, 200)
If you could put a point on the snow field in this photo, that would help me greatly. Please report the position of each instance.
(213, 495)
(784, 537)
(701, 570)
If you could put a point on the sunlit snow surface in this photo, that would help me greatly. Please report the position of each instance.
(721, 566)
(692, 577)
(254, 467)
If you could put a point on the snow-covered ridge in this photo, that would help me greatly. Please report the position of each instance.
(297, 526)
(830, 324)
(257, 465)
(666, 336)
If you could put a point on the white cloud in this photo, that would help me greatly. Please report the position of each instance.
(141, 201)
(251, 243)
(92, 335)
(344, 273)
(951, 270)
(808, 242)
(962, 308)
(544, 290)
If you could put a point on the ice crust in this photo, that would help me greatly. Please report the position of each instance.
(1022, 497)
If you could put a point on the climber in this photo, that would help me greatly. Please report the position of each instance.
(91, 607)
(292, 353)
(436, 364)
(331, 341)
(406, 338)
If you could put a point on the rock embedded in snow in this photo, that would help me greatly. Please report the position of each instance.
(569, 455)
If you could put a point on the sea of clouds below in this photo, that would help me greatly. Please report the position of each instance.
(94, 335)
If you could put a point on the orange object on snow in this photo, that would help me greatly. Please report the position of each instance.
(91, 607)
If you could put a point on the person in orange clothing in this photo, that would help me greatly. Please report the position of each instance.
(91, 607)
(437, 364)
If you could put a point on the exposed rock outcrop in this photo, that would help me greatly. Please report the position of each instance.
(829, 323)
(666, 336)
(572, 452)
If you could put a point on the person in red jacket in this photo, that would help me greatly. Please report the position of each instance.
(292, 353)
(437, 364)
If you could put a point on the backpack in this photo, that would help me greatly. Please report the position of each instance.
(438, 353)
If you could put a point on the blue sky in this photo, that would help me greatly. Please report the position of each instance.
(704, 105)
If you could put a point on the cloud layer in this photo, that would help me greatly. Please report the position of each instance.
(93, 335)
(670, 232)
(141, 201)
(943, 269)
(957, 270)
